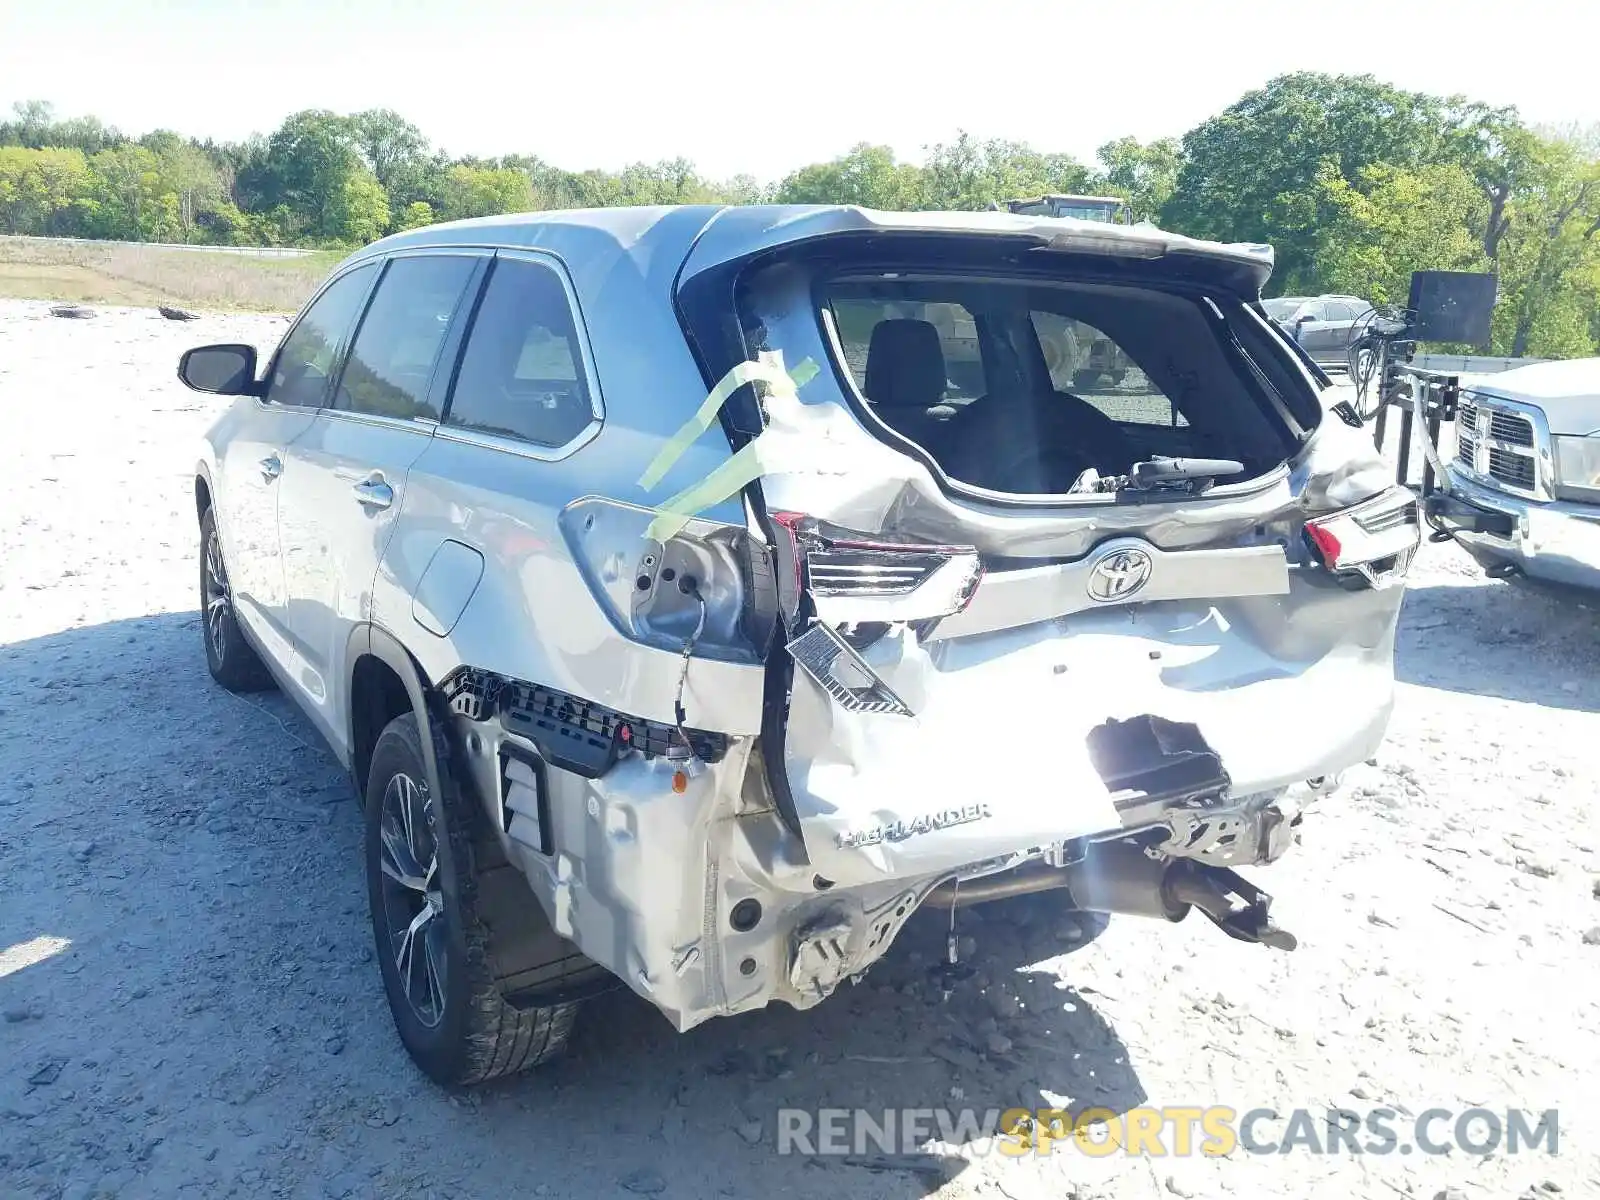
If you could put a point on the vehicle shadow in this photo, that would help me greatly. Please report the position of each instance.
(1509, 641)
(198, 855)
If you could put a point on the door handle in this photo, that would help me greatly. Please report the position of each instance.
(374, 494)
(271, 467)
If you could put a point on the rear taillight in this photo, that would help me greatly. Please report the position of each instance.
(840, 591)
(857, 578)
(1372, 542)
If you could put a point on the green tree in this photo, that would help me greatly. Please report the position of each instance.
(360, 214)
(34, 126)
(485, 191)
(744, 189)
(38, 189)
(1144, 174)
(866, 175)
(1550, 249)
(32, 123)
(190, 177)
(673, 181)
(413, 216)
(305, 168)
(398, 155)
(1395, 221)
(1255, 172)
(127, 196)
(552, 186)
(972, 174)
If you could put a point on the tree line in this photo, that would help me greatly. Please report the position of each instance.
(1354, 182)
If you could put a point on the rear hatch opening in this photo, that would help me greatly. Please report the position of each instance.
(977, 649)
(1043, 376)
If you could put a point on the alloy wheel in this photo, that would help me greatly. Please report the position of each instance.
(413, 902)
(218, 598)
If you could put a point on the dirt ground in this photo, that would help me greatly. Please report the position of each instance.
(190, 1007)
(125, 273)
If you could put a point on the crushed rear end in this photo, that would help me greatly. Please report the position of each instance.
(985, 673)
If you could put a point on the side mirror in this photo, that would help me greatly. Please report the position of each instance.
(225, 370)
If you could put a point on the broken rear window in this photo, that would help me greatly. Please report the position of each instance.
(1021, 386)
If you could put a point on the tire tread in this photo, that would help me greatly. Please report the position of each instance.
(501, 1038)
(241, 669)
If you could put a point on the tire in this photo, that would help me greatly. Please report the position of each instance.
(453, 1018)
(231, 659)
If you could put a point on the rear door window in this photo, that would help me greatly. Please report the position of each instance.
(303, 370)
(522, 372)
(397, 348)
(857, 322)
(1086, 362)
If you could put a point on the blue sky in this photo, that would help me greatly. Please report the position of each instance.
(758, 87)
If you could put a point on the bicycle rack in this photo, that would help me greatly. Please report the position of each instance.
(1399, 385)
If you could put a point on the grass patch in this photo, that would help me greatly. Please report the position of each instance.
(114, 273)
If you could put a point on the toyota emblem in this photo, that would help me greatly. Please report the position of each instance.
(1119, 574)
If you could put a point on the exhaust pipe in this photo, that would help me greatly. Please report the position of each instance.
(1111, 877)
(1118, 877)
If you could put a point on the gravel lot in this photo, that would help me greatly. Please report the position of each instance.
(213, 1024)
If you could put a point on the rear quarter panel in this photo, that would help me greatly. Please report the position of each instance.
(533, 615)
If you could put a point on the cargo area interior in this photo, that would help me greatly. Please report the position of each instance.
(1022, 387)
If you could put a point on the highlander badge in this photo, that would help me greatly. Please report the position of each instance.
(899, 831)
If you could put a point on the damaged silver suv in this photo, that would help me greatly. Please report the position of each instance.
(695, 593)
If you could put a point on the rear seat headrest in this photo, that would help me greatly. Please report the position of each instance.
(905, 364)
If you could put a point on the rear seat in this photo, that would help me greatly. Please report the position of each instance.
(906, 381)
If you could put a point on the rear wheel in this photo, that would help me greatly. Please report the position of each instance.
(427, 896)
(232, 660)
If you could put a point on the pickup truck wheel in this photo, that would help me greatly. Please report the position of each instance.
(433, 946)
(231, 660)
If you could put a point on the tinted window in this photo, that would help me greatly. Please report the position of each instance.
(301, 374)
(1346, 310)
(392, 360)
(522, 373)
(1085, 362)
(856, 319)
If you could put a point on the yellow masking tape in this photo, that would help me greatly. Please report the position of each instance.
(768, 371)
(675, 512)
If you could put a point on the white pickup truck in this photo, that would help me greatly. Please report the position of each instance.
(1523, 493)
